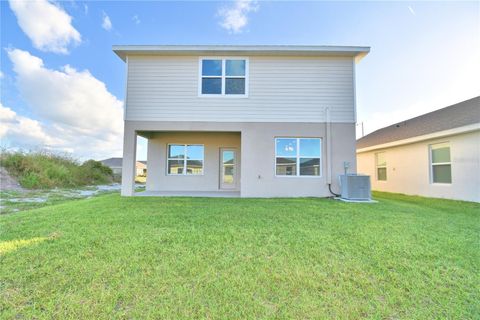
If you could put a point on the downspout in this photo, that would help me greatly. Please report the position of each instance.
(328, 138)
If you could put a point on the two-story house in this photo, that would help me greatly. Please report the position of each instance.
(249, 121)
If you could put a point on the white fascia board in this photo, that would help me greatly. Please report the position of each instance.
(355, 51)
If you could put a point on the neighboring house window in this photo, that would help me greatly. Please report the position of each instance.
(298, 156)
(224, 77)
(185, 159)
(381, 164)
(440, 163)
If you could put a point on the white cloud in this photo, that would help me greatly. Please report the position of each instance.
(136, 19)
(411, 10)
(47, 25)
(72, 105)
(23, 131)
(85, 8)
(234, 17)
(106, 22)
(1, 75)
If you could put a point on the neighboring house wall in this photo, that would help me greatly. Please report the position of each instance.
(281, 89)
(116, 170)
(408, 168)
(141, 169)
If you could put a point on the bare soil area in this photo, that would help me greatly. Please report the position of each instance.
(7, 182)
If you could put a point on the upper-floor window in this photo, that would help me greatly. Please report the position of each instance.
(440, 163)
(381, 165)
(223, 77)
(298, 156)
(185, 159)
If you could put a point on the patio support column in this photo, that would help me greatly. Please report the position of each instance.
(129, 160)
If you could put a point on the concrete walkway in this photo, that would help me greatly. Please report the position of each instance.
(207, 194)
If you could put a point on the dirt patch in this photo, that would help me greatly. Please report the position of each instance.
(7, 182)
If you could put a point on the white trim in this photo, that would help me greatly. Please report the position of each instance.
(354, 83)
(126, 91)
(431, 164)
(184, 172)
(354, 51)
(235, 169)
(439, 134)
(223, 77)
(298, 157)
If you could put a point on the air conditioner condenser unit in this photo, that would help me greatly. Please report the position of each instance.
(355, 187)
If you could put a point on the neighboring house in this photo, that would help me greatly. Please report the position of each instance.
(434, 155)
(116, 165)
(141, 168)
(258, 121)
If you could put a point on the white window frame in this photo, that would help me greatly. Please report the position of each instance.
(223, 77)
(377, 166)
(184, 173)
(298, 157)
(430, 151)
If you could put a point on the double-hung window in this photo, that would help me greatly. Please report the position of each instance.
(223, 77)
(298, 156)
(440, 163)
(381, 165)
(185, 159)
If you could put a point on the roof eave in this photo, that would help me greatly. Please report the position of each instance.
(354, 51)
(424, 137)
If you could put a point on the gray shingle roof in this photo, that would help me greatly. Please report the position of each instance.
(112, 162)
(457, 115)
(117, 162)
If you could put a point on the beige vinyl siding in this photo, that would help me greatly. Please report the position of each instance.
(281, 89)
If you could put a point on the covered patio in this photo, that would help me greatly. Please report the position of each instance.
(201, 162)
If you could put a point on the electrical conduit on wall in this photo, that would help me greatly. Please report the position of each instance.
(328, 147)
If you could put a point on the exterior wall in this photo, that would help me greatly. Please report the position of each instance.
(116, 170)
(256, 141)
(138, 170)
(408, 168)
(281, 89)
(158, 180)
(258, 149)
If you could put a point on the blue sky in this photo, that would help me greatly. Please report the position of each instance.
(424, 56)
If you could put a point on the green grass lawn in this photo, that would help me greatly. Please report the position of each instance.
(166, 258)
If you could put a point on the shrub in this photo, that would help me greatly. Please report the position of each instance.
(30, 180)
(44, 170)
(94, 172)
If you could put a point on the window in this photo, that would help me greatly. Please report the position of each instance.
(185, 159)
(298, 156)
(223, 77)
(441, 166)
(381, 164)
